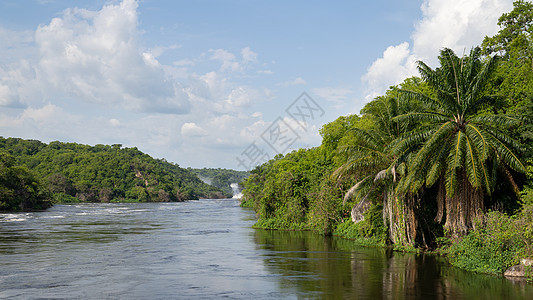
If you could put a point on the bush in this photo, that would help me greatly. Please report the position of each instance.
(497, 244)
(370, 231)
(64, 198)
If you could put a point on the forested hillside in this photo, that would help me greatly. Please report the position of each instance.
(79, 173)
(221, 178)
(20, 189)
(441, 161)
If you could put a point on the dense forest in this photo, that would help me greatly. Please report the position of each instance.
(221, 178)
(442, 161)
(32, 173)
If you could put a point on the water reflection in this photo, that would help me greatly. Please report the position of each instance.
(334, 268)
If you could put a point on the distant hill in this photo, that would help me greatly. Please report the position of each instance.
(221, 178)
(102, 173)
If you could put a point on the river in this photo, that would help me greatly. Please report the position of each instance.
(207, 250)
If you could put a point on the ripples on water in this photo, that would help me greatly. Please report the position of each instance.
(207, 249)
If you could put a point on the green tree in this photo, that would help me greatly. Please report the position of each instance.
(516, 36)
(377, 169)
(456, 146)
(19, 188)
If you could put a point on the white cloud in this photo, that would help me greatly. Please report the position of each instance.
(46, 122)
(266, 72)
(396, 64)
(192, 130)
(248, 56)
(114, 122)
(7, 97)
(85, 77)
(227, 59)
(94, 56)
(242, 96)
(183, 62)
(456, 24)
(222, 55)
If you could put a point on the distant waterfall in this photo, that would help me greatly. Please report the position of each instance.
(236, 191)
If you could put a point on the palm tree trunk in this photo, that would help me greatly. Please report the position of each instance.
(399, 216)
(464, 208)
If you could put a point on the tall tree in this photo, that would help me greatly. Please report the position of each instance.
(377, 169)
(456, 146)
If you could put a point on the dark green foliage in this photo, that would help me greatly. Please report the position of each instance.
(458, 146)
(102, 173)
(20, 189)
(497, 243)
(295, 191)
(370, 231)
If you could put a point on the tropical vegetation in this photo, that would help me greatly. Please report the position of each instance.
(70, 172)
(443, 161)
(19, 188)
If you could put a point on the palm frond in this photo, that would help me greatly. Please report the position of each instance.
(472, 165)
(424, 155)
(476, 134)
(356, 188)
(498, 121)
(431, 117)
(506, 154)
(480, 81)
(454, 162)
(381, 175)
(437, 168)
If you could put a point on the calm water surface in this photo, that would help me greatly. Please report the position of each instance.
(207, 250)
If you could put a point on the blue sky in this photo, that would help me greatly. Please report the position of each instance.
(214, 83)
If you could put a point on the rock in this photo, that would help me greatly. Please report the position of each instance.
(515, 271)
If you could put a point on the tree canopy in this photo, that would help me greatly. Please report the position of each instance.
(102, 173)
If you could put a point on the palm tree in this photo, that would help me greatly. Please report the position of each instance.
(376, 169)
(456, 145)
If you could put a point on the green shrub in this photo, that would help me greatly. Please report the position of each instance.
(64, 198)
(497, 244)
(279, 223)
(370, 231)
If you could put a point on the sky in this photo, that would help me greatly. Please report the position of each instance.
(215, 83)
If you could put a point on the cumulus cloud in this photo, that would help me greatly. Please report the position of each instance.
(248, 56)
(243, 96)
(84, 76)
(229, 60)
(396, 64)
(456, 24)
(192, 130)
(91, 56)
(47, 122)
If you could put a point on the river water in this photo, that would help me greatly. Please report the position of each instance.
(207, 250)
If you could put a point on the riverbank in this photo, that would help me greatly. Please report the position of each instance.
(498, 242)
